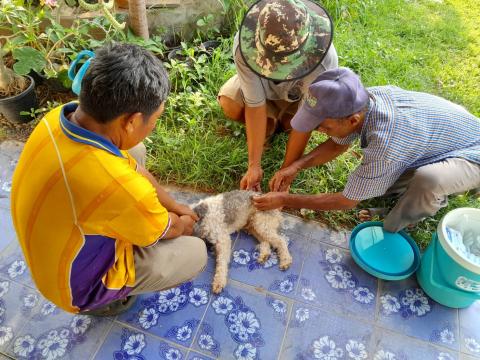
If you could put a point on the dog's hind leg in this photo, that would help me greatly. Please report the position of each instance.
(264, 226)
(223, 249)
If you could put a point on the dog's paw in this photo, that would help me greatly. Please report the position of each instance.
(218, 285)
(285, 262)
(262, 258)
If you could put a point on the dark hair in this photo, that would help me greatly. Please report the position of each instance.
(123, 79)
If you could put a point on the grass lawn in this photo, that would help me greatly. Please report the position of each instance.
(422, 45)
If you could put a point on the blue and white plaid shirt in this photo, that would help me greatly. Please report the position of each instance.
(406, 130)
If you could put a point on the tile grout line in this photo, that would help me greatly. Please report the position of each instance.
(198, 329)
(289, 317)
(105, 336)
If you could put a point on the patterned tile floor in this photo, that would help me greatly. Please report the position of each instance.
(323, 307)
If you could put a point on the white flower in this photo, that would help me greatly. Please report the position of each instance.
(384, 355)
(390, 304)
(333, 256)
(24, 345)
(148, 318)
(286, 286)
(363, 295)
(173, 354)
(6, 334)
(302, 314)
(444, 356)
(472, 345)
(30, 300)
(232, 317)
(241, 257)
(134, 344)
(184, 333)
(198, 297)
(356, 350)
(271, 261)
(48, 308)
(53, 347)
(447, 337)
(16, 268)
(324, 348)
(206, 342)
(245, 352)
(308, 294)
(222, 305)
(338, 278)
(418, 304)
(162, 308)
(171, 298)
(247, 322)
(279, 306)
(80, 324)
(7, 186)
(4, 286)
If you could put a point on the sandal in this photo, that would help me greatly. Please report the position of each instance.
(114, 308)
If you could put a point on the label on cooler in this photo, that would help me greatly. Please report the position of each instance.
(467, 284)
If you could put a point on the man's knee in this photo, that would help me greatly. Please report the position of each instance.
(231, 108)
(197, 253)
(426, 181)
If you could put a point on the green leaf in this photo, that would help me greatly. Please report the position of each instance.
(28, 59)
(201, 22)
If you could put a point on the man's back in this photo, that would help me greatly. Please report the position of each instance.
(74, 200)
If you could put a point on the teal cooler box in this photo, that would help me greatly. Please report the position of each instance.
(450, 276)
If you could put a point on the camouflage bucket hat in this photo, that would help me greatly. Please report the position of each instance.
(284, 40)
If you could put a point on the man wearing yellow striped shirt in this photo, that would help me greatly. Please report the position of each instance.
(95, 227)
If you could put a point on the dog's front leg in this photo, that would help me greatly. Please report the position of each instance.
(223, 249)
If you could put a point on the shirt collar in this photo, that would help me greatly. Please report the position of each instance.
(84, 136)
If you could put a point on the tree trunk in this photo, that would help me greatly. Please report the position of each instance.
(137, 17)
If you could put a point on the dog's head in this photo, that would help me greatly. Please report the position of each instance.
(201, 209)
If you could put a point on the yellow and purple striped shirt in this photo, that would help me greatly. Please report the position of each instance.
(79, 208)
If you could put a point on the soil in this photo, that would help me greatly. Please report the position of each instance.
(18, 85)
(21, 132)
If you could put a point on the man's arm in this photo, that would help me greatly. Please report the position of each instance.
(165, 199)
(275, 200)
(256, 127)
(297, 142)
(322, 154)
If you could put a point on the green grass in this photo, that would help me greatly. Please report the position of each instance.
(427, 45)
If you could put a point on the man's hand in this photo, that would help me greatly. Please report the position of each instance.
(272, 200)
(182, 209)
(188, 224)
(252, 179)
(283, 178)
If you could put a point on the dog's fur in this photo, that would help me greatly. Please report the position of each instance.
(226, 213)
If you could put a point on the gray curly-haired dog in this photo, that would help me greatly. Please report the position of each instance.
(226, 213)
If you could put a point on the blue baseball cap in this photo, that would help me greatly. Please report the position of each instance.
(334, 94)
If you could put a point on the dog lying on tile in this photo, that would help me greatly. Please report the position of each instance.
(223, 214)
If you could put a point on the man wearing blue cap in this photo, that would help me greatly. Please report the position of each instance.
(414, 144)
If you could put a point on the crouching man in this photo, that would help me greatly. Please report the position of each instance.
(95, 227)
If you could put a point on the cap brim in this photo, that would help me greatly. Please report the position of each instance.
(305, 121)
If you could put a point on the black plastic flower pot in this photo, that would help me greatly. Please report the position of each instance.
(11, 107)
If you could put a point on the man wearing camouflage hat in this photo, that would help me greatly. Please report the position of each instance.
(281, 47)
(414, 144)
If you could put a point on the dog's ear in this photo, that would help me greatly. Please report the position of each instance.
(201, 209)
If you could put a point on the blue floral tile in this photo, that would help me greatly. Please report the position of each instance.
(243, 324)
(52, 333)
(331, 278)
(4, 357)
(297, 225)
(14, 267)
(245, 268)
(192, 355)
(467, 357)
(470, 329)
(9, 154)
(7, 232)
(124, 343)
(211, 253)
(316, 334)
(332, 237)
(173, 314)
(391, 346)
(17, 304)
(405, 308)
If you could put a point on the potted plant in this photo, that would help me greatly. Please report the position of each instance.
(17, 93)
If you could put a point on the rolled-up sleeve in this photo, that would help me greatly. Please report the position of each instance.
(372, 179)
(250, 83)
